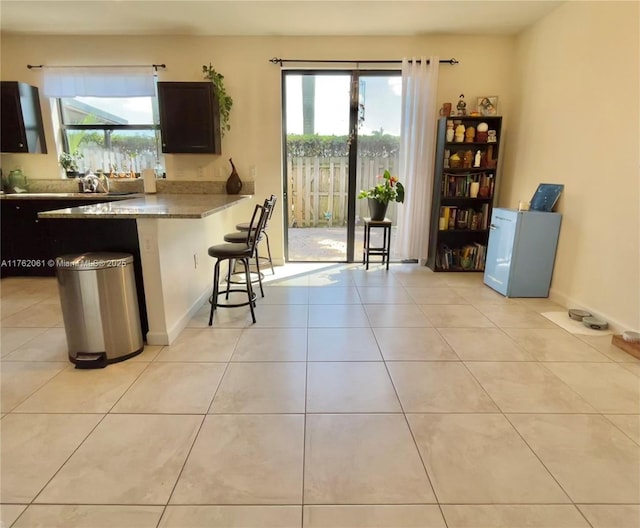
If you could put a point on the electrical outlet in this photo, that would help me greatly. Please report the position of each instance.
(180, 173)
(146, 244)
(253, 172)
(200, 173)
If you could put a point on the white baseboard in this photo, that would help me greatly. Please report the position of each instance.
(157, 338)
(166, 338)
(181, 323)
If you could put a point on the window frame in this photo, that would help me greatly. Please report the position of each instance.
(155, 127)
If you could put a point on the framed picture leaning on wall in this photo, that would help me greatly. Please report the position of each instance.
(488, 105)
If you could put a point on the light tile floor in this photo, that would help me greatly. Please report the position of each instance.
(360, 399)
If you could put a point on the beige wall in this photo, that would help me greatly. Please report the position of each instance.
(568, 89)
(485, 68)
(176, 268)
(575, 120)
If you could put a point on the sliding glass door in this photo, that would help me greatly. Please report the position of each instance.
(317, 107)
(341, 130)
(377, 146)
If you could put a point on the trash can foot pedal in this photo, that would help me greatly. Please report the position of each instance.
(90, 360)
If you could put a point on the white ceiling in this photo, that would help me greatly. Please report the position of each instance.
(269, 17)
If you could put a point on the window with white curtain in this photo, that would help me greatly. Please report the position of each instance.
(108, 117)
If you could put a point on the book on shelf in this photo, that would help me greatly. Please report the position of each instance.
(469, 257)
(462, 220)
(453, 213)
(452, 217)
(487, 181)
(444, 218)
(474, 219)
(481, 252)
(484, 210)
(459, 185)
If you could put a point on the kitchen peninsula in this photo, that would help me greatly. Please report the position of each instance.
(172, 233)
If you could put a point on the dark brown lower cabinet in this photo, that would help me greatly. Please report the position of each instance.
(30, 244)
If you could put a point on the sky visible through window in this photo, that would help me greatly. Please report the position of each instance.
(135, 110)
(382, 96)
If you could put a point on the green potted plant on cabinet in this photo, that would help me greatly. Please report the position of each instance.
(225, 102)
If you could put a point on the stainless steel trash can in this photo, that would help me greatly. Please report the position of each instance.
(99, 307)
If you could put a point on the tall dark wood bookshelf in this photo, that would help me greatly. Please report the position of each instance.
(459, 229)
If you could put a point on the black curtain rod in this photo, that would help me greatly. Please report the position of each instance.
(279, 61)
(154, 66)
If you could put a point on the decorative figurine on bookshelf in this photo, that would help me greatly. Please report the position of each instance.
(461, 107)
(459, 136)
(454, 161)
(492, 136)
(445, 111)
(478, 158)
(447, 153)
(450, 131)
(469, 134)
(481, 132)
(467, 160)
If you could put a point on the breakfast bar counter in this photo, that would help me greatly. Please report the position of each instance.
(176, 206)
(168, 236)
(90, 197)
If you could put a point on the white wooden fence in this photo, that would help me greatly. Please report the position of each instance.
(96, 157)
(317, 189)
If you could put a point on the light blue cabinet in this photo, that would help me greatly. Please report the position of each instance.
(521, 252)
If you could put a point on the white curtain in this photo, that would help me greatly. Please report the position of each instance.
(417, 147)
(108, 81)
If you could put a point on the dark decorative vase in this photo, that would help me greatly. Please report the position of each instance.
(377, 210)
(234, 183)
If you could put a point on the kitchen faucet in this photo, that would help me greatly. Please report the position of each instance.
(95, 184)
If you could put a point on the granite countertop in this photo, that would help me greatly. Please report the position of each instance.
(69, 196)
(152, 206)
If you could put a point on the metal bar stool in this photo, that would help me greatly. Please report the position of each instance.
(385, 250)
(241, 236)
(242, 251)
(244, 227)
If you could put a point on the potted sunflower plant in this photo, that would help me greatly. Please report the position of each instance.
(388, 189)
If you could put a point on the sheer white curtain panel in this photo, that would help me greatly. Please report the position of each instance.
(115, 81)
(417, 147)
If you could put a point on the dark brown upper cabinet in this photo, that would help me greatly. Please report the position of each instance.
(21, 127)
(189, 118)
